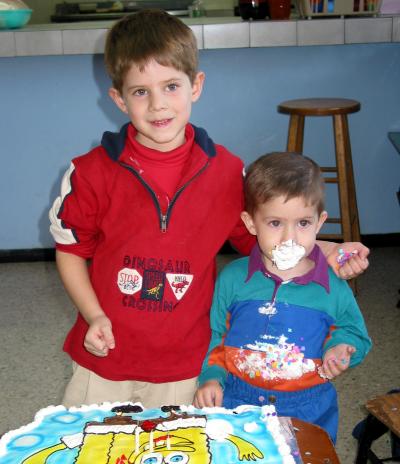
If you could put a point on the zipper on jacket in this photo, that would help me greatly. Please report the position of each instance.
(164, 218)
(163, 223)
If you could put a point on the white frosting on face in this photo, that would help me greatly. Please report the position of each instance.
(287, 254)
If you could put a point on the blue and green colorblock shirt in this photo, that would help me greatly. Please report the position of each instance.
(273, 334)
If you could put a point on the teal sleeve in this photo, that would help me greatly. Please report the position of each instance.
(218, 321)
(349, 326)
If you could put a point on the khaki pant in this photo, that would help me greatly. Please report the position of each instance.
(85, 387)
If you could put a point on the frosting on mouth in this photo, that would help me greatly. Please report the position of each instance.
(287, 254)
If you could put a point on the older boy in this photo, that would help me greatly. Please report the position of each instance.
(149, 210)
(282, 322)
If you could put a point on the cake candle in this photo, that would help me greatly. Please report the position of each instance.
(137, 439)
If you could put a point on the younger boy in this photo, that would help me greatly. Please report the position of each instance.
(282, 323)
(149, 210)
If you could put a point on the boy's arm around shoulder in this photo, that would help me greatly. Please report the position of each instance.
(349, 327)
(241, 239)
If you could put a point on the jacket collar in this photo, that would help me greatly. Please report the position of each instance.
(114, 142)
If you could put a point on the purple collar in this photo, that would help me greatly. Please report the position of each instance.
(318, 274)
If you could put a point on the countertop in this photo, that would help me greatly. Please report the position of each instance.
(211, 33)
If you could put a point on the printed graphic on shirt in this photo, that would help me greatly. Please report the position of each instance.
(147, 263)
(273, 358)
(153, 285)
(179, 283)
(143, 282)
(129, 281)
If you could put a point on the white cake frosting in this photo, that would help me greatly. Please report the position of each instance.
(110, 433)
(277, 360)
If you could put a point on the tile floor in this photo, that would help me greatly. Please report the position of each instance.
(35, 315)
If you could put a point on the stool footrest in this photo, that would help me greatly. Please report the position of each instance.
(330, 237)
(333, 221)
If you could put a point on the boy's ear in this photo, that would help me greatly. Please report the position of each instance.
(117, 99)
(322, 218)
(197, 85)
(248, 222)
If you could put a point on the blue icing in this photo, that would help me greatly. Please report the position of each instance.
(64, 423)
(61, 423)
(260, 437)
(26, 441)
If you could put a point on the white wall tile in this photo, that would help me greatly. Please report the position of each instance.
(320, 32)
(198, 33)
(273, 33)
(227, 35)
(366, 30)
(396, 29)
(30, 43)
(84, 42)
(7, 44)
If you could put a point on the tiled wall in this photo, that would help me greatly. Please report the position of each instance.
(213, 34)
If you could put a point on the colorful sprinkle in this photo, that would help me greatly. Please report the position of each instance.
(344, 256)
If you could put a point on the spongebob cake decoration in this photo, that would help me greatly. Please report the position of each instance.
(130, 434)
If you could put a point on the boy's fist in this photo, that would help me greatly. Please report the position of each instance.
(99, 338)
(356, 261)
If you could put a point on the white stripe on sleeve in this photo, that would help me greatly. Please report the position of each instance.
(61, 234)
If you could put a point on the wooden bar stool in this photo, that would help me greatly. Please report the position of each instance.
(338, 109)
(384, 416)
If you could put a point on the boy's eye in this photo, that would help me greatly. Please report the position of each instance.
(275, 223)
(304, 223)
(172, 87)
(140, 92)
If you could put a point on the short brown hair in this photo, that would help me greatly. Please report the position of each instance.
(283, 174)
(149, 34)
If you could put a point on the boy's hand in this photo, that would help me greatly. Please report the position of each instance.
(99, 338)
(354, 265)
(208, 395)
(336, 360)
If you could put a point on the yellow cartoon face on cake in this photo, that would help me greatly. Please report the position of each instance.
(190, 437)
(176, 439)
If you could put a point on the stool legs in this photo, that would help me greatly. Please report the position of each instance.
(347, 193)
(344, 167)
(296, 133)
(350, 229)
(373, 429)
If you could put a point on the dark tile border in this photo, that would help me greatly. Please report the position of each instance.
(27, 255)
(48, 254)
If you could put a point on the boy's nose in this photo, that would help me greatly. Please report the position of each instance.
(158, 102)
(289, 233)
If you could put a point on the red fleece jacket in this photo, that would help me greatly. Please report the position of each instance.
(152, 266)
